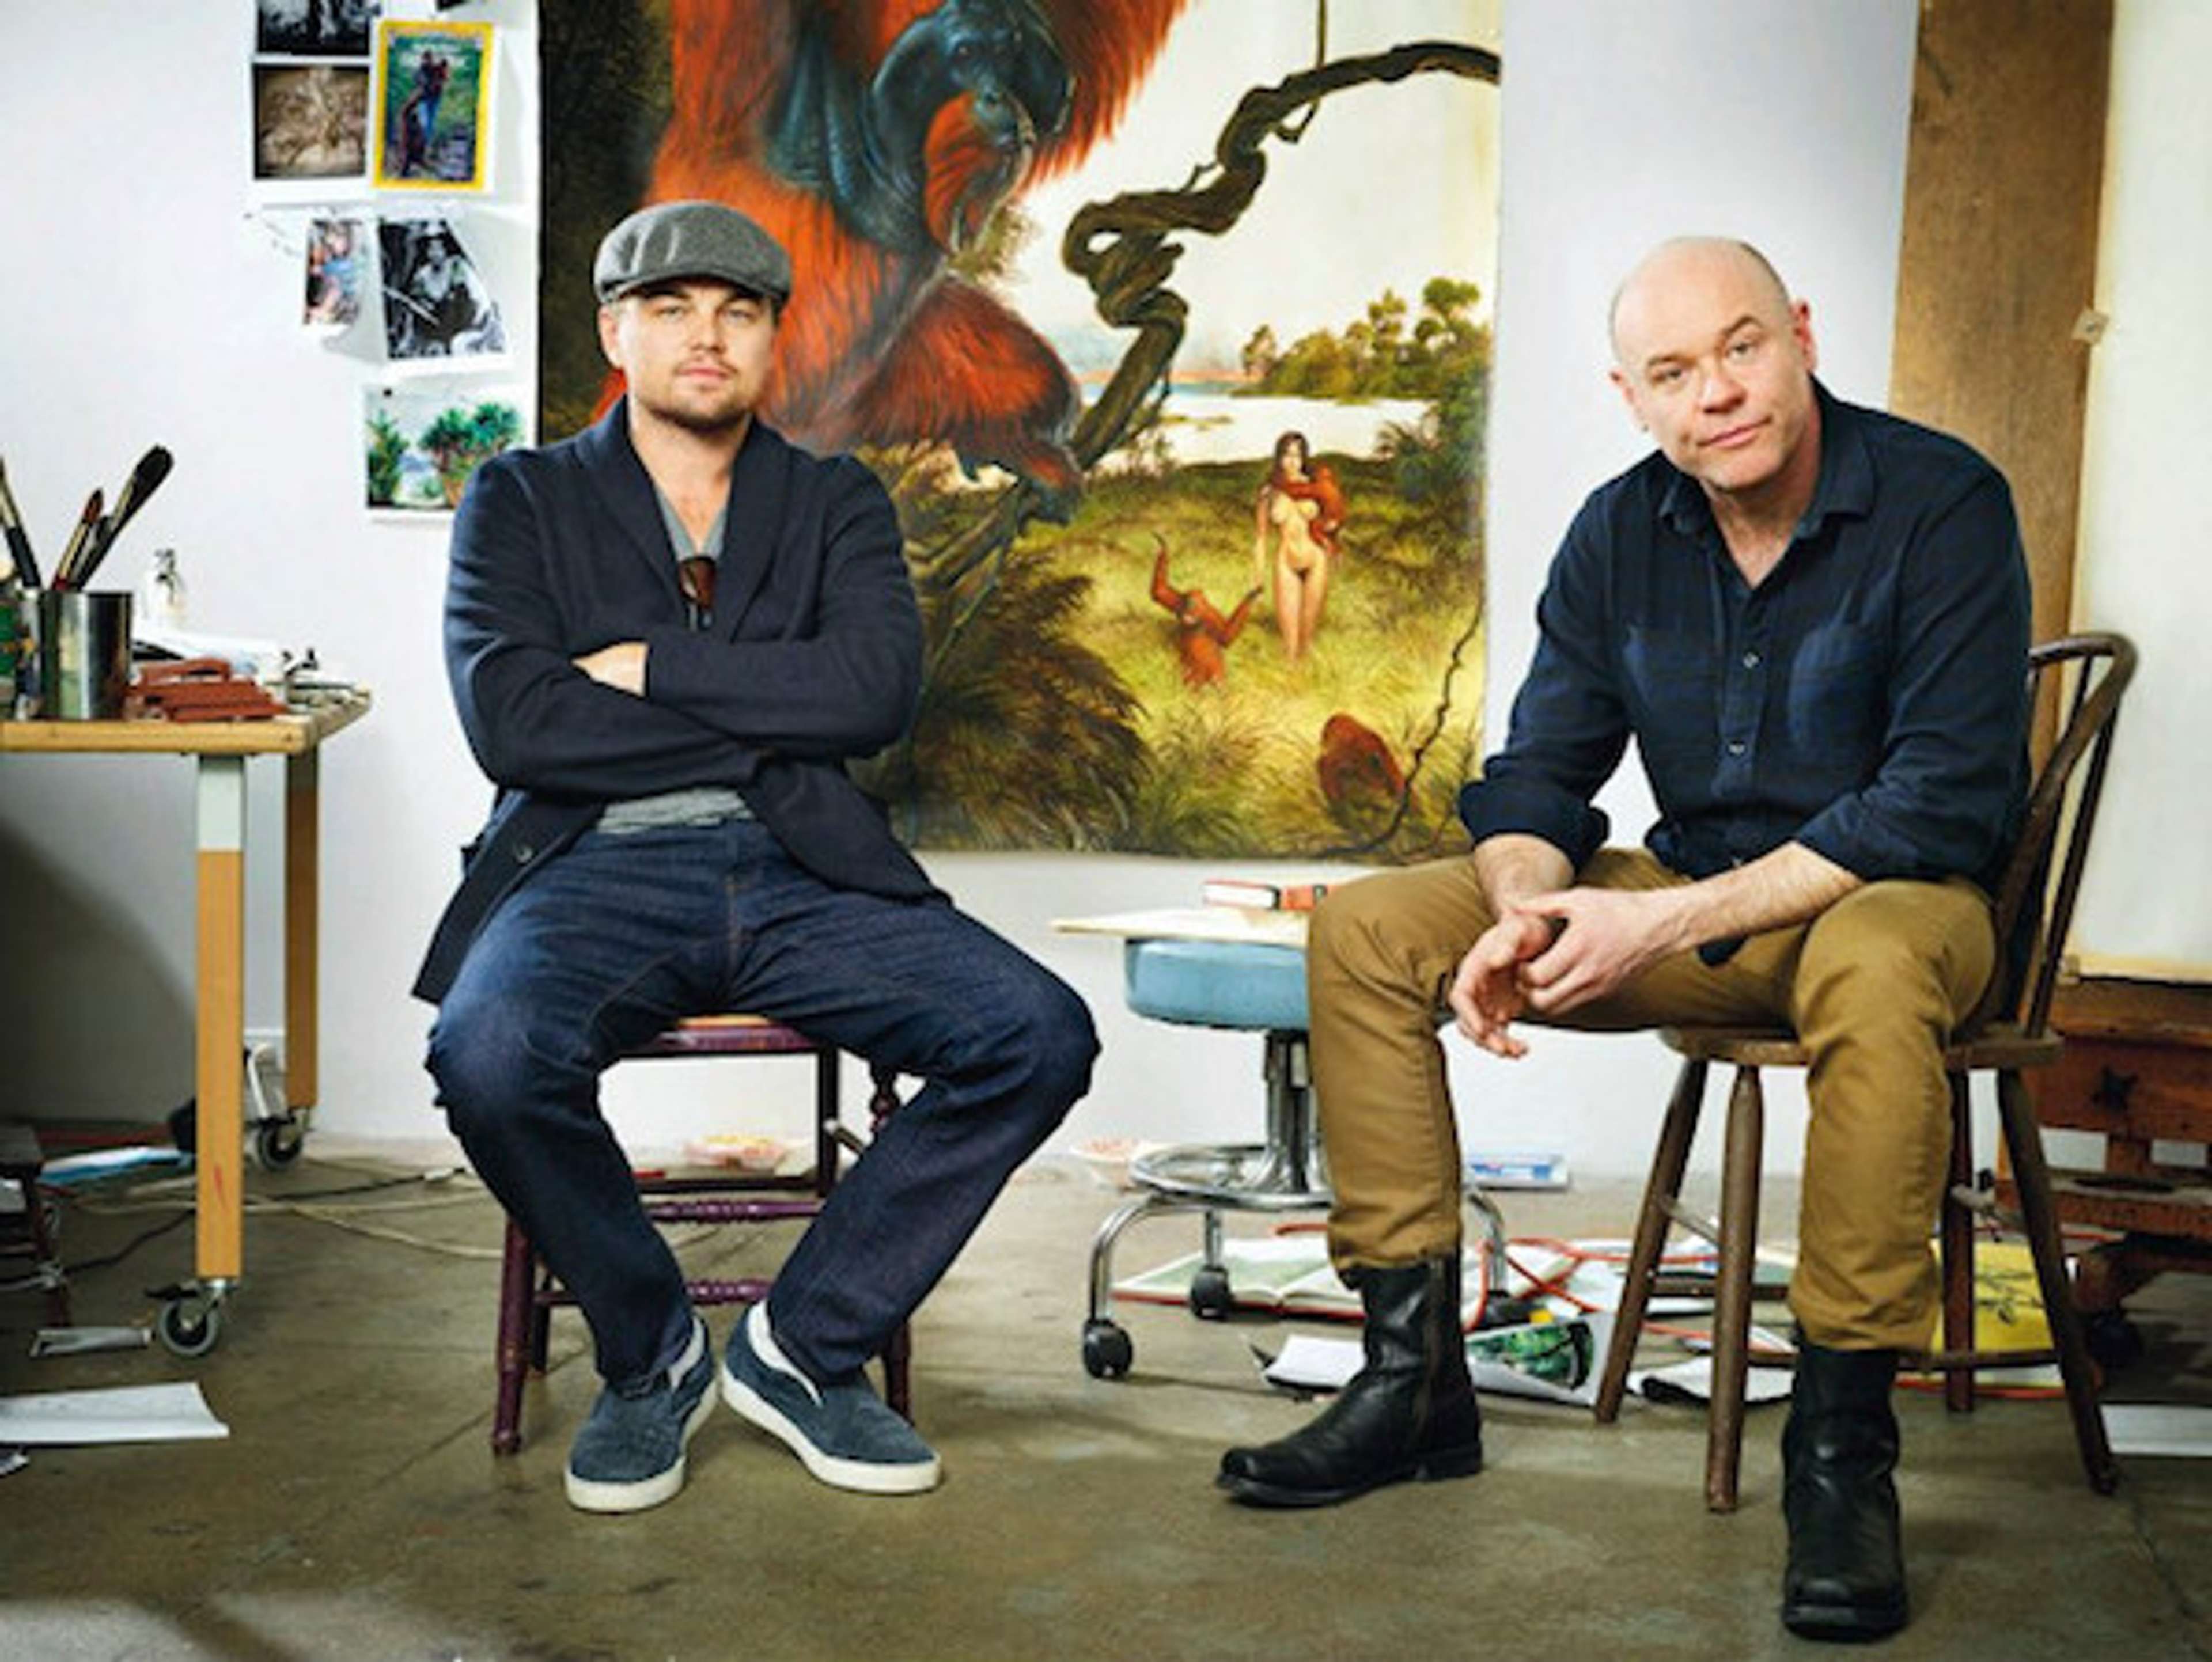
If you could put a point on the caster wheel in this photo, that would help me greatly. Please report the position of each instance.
(2114, 1341)
(1209, 1293)
(188, 1328)
(1107, 1351)
(277, 1143)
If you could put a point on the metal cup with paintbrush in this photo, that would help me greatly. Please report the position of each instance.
(95, 534)
(85, 636)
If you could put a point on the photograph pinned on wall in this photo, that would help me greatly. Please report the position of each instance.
(314, 29)
(310, 121)
(338, 252)
(434, 85)
(436, 304)
(421, 439)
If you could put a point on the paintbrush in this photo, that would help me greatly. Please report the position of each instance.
(153, 467)
(19, 540)
(64, 574)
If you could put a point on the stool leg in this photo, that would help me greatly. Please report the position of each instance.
(898, 1382)
(1288, 1074)
(45, 1253)
(517, 1275)
(1746, 1122)
(2032, 1176)
(1660, 1190)
(1102, 1245)
(1958, 1237)
(829, 1112)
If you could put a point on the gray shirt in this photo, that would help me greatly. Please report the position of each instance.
(705, 804)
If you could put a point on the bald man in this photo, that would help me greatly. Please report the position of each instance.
(1813, 620)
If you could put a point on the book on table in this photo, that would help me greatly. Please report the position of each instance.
(1254, 895)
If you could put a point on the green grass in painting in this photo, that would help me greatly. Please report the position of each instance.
(1146, 763)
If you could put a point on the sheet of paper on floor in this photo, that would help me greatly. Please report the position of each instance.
(2183, 1429)
(1692, 1379)
(125, 1414)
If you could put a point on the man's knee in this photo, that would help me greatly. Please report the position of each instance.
(1909, 955)
(491, 1052)
(1058, 1039)
(1360, 929)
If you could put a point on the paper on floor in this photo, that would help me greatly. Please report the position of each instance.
(127, 1414)
(2179, 1428)
(1550, 1362)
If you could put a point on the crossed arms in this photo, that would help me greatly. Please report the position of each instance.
(628, 702)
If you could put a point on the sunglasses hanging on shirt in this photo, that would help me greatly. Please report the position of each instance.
(695, 576)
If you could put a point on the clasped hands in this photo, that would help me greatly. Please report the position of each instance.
(1551, 952)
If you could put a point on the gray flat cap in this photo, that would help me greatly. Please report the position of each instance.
(673, 240)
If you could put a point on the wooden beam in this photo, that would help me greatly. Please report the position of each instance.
(1998, 267)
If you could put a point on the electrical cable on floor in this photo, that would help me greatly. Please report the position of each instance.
(127, 1248)
(351, 1218)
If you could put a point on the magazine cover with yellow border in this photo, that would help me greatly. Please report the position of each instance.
(433, 99)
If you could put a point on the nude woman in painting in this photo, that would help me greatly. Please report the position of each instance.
(1302, 506)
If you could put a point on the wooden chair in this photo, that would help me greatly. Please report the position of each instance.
(2006, 1034)
(529, 1292)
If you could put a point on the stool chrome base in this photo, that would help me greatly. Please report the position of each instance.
(1286, 1174)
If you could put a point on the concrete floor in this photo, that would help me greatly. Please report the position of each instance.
(356, 1510)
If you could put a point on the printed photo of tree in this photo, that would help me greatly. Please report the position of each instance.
(422, 440)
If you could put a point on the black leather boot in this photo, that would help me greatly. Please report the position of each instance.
(1410, 1412)
(1846, 1574)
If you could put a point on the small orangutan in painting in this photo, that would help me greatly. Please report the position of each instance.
(1360, 780)
(1203, 635)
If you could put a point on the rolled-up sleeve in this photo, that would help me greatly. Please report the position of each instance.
(1569, 726)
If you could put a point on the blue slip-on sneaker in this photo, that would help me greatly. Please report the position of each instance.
(842, 1433)
(629, 1455)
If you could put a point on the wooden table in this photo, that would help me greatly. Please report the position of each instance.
(2138, 1069)
(191, 1323)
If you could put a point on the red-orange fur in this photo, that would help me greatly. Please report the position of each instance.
(877, 346)
(1355, 768)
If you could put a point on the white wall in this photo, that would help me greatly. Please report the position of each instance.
(140, 302)
(2146, 530)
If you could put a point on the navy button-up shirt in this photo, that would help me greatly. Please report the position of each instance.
(1867, 699)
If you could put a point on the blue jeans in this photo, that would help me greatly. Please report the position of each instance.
(620, 935)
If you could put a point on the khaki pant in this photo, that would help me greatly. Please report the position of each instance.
(1874, 986)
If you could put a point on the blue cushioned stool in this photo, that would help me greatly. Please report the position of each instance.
(1244, 987)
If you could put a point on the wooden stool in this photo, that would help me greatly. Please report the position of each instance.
(529, 1291)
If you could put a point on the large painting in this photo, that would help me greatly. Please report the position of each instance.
(1166, 322)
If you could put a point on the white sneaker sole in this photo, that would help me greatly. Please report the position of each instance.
(862, 1476)
(588, 1495)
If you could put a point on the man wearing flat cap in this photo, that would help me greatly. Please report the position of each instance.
(666, 637)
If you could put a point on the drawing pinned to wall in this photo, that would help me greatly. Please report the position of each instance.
(1102, 259)
(422, 438)
(337, 252)
(314, 29)
(436, 302)
(432, 108)
(310, 121)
